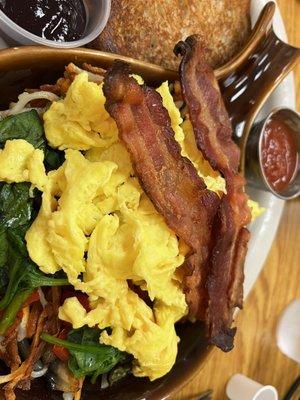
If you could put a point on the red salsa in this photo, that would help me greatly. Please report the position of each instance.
(279, 154)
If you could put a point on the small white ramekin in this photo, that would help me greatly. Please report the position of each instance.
(97, 16)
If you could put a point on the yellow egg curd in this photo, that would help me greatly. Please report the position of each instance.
(97, 225)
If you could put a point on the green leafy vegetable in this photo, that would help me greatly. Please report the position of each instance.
(91, 362)
(53, 158)
(12, 310)
(16, 214)
(28, 126)
(15, 205)
(3, 256)
(87, 356)
(34, 278)
(18, 274)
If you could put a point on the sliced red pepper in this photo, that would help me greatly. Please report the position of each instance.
(61, 352)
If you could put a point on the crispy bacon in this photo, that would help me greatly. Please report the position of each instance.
(212, 128)
(194, 285)
(172, 184)
(169, 179)
(225, 280)
(213, 136)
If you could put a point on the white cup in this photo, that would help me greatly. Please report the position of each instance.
(240, 387)
(288, 331)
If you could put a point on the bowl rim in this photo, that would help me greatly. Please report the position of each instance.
(18, 52)
(14, 55)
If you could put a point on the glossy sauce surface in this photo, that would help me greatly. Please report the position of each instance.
(58, 20)
(279, 156)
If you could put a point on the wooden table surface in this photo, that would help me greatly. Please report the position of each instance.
(256, 354)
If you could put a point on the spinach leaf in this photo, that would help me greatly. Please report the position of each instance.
(16, 214)
(19, 276)
(28, 126)
(35, 278)
(11, 311)
(53, 158)
(3, 281)
(3, 249)
(91, 363)
(16, 206)
(87, 356)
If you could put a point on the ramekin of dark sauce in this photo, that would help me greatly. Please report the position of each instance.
(272, 154)
(56, 23)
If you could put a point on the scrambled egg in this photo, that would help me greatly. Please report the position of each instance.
(80, 121)
(21, 162)
(256, 209)
(104, 227)
(97, 224)
(184, 135)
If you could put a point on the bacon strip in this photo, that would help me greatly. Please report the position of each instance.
(213, 136)
(210, 120)
(226, 277)
(169, 179)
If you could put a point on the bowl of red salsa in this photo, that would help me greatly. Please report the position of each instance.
(272, 155)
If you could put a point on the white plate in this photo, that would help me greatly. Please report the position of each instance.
(264, 228)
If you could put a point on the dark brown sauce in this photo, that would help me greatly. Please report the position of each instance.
(58, 20)
(279, 155)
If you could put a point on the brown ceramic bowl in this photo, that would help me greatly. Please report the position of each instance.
(28, 67)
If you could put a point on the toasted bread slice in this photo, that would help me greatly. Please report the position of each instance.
(148, 30)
